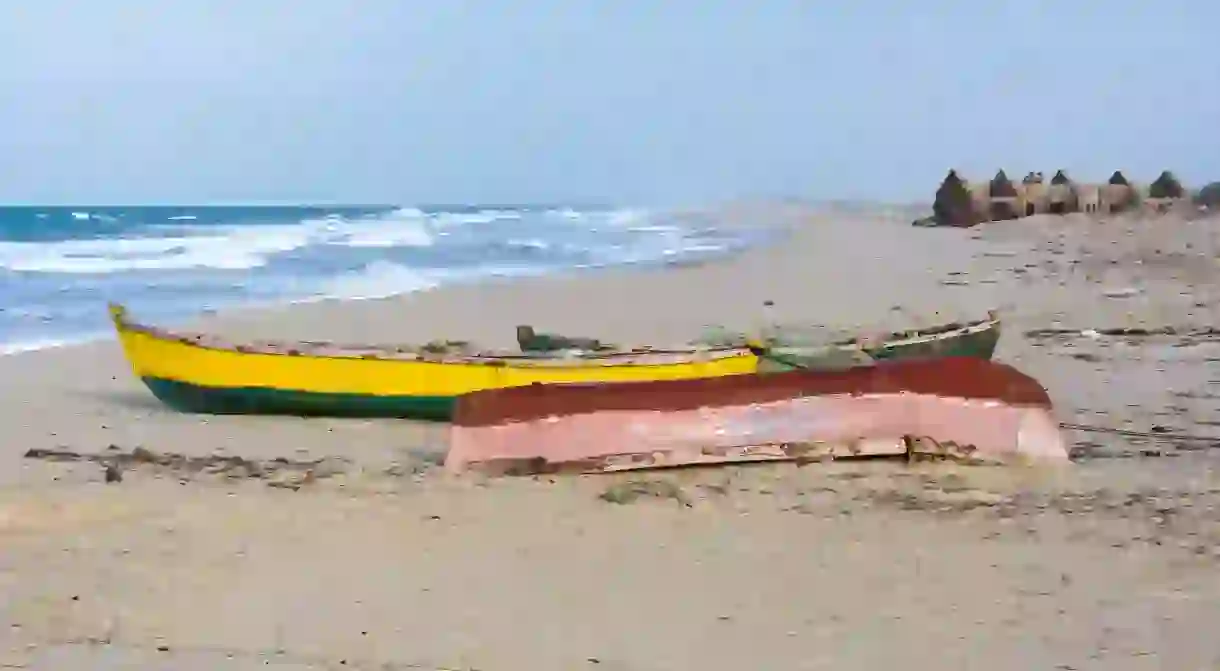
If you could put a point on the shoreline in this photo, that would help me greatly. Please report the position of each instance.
(27, 347)
(1007, 567)
(894, 277)
(663, 303)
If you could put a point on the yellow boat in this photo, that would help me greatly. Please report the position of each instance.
(196, 372)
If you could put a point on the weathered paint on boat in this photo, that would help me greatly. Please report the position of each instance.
(974, 339)
(786, 350)
(966, 406)
(201, 373)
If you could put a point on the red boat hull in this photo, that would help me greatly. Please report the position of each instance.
(963, 406)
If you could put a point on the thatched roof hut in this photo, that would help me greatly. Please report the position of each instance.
(1001, 186)
(1166, 186)
(1209, 196)
(1118, 179)
(1060, 179)
(953, 205)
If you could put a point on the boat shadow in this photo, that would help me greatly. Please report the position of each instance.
(128, 400)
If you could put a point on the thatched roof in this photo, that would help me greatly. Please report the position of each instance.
(1118, 179)
(1166, 186)
(1060, 178)
(1001, 186)
(1032, 178)
(1209, 196)
(953, 205)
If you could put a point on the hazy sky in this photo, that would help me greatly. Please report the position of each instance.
(629, 101)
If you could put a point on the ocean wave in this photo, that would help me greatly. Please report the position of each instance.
(400, 228)
(169, 262)
(379, 279)
(236, 250)
(93, 216)
(185, 244)
(529, 244)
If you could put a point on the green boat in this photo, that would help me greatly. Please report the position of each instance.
(788, 347)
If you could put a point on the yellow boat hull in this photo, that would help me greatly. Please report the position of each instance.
(188, 374)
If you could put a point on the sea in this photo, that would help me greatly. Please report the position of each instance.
(59, 266)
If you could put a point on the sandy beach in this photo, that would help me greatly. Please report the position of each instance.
(382, 562)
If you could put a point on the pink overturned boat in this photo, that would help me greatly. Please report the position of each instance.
(960, 407)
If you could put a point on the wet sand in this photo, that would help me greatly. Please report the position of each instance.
(376, 559)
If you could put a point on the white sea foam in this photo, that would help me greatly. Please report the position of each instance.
(378, 279)
(383, 232)
(654, 228)
(239, 249)
(382, 279)
(626, 217)
(21, 347)
(223, 265)
(530, 243)
(565, 213)
(188, 245)
(202, 246)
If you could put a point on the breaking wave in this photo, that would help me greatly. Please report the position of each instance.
(58, 266)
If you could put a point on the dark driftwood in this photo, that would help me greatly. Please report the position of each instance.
(115, 461)
(1128, 332)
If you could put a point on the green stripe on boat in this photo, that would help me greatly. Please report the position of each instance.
(187, 397)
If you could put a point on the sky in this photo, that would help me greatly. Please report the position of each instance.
(595, 101)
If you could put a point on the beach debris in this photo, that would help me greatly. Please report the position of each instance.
(293, 480)
(1156, 433)
(1121, 292)
(530, 340)
(631, 491)
(277, 472)
(1126, 332)
(446, 347)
